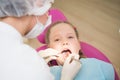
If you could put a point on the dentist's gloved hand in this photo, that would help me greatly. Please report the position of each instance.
(71, 67)
(48, 54)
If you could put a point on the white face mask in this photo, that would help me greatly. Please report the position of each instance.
(38, 28)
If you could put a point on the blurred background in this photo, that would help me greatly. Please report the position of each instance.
(98, 23)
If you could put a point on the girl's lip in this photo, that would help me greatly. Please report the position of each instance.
(66, 51)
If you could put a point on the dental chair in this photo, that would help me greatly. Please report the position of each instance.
(88, 50)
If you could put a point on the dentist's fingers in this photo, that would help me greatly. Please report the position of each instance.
(50, 58)
(48, 52)
(76, 57)
(68, 59)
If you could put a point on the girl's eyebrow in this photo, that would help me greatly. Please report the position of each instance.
(55, 35)
(70, 33)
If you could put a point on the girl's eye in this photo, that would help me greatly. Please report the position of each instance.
(70, 37)
(56, 40)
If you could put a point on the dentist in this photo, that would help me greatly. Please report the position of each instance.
(18, 19)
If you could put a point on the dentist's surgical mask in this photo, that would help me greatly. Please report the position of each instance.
(38, 28)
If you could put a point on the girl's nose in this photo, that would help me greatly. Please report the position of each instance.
(65, 43)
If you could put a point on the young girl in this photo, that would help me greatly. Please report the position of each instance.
(63, 37)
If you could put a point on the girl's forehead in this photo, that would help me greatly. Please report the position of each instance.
(62, 27)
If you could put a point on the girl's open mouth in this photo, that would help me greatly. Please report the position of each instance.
(66, 51)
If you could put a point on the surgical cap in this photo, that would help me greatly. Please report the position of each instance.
(18, 8)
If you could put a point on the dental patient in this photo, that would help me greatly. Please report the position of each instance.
(63, 44)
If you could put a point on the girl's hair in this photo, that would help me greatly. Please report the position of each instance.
(59, 22)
